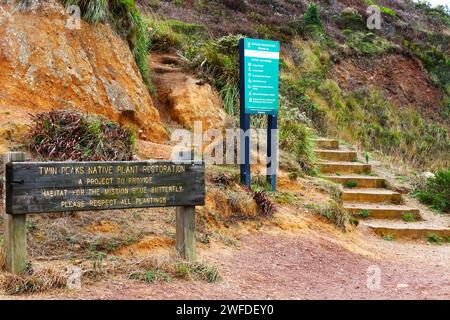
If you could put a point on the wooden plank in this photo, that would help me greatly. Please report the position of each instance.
(40, 187)
(185, 232)
(15, 231)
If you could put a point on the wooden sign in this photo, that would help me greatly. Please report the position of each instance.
(39, 187)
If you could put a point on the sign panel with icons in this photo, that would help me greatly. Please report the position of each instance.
(260, 70)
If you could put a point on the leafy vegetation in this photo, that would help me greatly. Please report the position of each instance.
(367, 118)
(436, 193)
(298, 139)
(312, 24)
(388, 237)
(434, 238)
(364, 213)
(309, 98)
(71, 135)
(408, 217)
(385, 10)
(350, 184)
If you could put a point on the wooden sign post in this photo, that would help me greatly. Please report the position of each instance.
(15, 229)
(42, 187)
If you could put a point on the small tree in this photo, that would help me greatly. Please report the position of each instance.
(312, 23)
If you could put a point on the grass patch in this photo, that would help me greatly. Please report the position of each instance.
(350, 184)
(367, 118)
(364, 213)
(388, 237)
(435, 239)
(198, 271)
(218, 61)
(408, 217)
(297, 139)
(336, 214)
(152, 276)
(32, 281)
(367, 43)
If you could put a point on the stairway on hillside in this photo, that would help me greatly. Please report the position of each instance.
(366, 196)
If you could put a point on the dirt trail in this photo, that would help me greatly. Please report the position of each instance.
(285, 265)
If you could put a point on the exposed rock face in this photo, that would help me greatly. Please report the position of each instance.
(45, 65)
(183, 98)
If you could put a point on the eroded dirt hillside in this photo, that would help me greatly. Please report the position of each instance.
(46, 65)
(401, 78)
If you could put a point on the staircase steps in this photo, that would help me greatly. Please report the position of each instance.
(380, 211)
(343, 167)
(336, 155)
(407, 230)
(323, 143)
(371, 196)
(361, 181)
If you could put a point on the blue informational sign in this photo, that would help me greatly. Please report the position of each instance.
(259, 76)
(259, 66)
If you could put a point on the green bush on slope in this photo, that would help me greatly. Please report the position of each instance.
(436, 193)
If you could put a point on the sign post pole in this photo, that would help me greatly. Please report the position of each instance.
(272, 156)
(185, 232)
(15, 230)
(259, 72)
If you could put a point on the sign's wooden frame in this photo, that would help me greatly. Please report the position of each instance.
(29, 189)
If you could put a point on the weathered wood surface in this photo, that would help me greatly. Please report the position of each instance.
(15, 232)
(185, 232)
(39, 187)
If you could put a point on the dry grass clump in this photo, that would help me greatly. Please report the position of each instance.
(166, 267)
(336, 214)
(71, 135)
(32, 281)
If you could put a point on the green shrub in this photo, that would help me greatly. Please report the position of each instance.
(312, 24)
(436, 194)
(70, 135)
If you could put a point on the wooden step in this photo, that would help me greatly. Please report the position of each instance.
(381, 211)
(336, 155)
(396, 230)
(360, 181)
(343, 167)
(323, 143)
(371, 196)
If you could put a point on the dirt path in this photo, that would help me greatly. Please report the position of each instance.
(288, 266)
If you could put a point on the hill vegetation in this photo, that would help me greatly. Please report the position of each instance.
(316, 39)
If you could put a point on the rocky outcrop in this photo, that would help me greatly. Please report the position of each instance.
(183, 98)
(45, 65)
